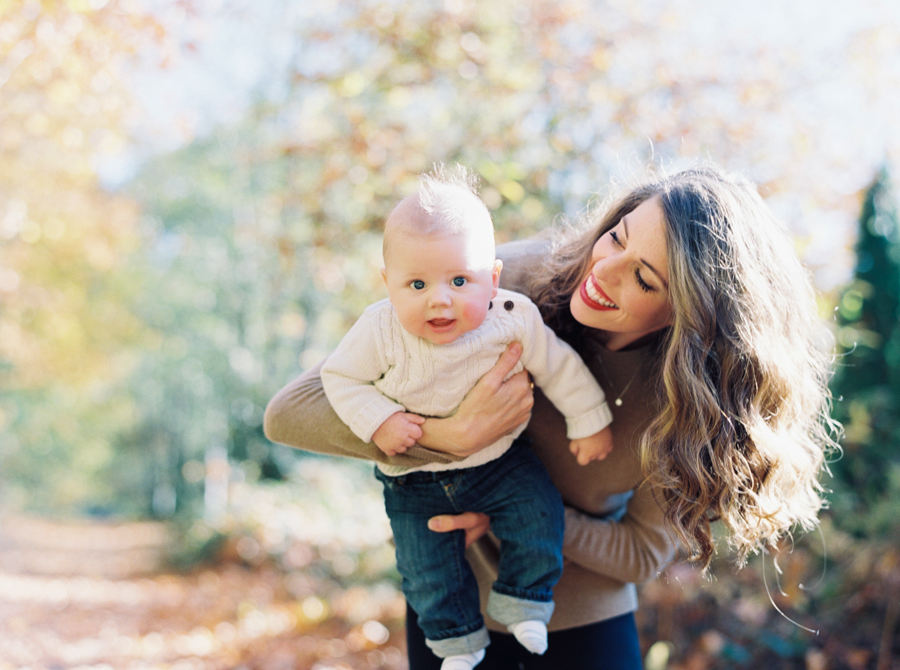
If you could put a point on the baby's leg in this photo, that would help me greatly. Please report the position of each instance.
(437, 580)
(527, 516)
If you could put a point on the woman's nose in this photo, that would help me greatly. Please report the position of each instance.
(608, 269)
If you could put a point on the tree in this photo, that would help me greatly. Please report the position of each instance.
(262, 238)
(232, 298)
(142, 332)
(867, 383)
(65, 326)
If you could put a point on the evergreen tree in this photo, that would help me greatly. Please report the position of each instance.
(867, 381)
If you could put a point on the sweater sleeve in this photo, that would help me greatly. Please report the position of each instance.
(300, 416)
(634, 549)
(564, 378)
(350, 373)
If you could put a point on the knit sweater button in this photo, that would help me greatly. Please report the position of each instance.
(508, 305)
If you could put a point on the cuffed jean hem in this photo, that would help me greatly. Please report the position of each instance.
(455, 646)
(509, 609)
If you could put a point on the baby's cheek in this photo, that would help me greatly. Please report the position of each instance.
(474, 314)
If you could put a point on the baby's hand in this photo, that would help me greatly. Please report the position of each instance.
(593, 448)
(398, 433)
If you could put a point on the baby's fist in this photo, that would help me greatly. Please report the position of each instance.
(398, 433)
(593, 448)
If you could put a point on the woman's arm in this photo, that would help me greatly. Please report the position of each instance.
(634, 549)
(300, 416)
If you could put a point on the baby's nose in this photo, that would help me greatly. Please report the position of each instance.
(440, 296)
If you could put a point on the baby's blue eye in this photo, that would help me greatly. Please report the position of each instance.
(459, 281)
(418, 284)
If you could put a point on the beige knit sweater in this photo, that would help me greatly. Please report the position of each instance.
(379, 369)
(615, 531)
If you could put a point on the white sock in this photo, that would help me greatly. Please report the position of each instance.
(463, 661)
(531, 634)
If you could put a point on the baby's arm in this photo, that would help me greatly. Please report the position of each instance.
(595, 447)
(350, 373)
(568, 384)
(301, 416)
(398, 433)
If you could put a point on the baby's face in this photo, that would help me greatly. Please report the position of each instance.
(441, 285)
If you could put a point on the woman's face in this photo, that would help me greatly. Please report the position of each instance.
(626, 289)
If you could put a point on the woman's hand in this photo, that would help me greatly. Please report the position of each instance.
(492, 409)
(475, 524)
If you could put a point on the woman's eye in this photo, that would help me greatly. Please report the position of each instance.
(645, 287)
(459, 281)
(417, 284)
(615, 237)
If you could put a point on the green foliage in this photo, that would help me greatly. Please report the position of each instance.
(66, 329)
(230, 311)
(867, 381)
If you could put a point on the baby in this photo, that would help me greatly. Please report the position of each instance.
(416, 355)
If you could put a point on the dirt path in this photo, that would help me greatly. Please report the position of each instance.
(92, 597)
(89, 597)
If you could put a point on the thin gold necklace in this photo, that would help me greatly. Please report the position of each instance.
(618, 401)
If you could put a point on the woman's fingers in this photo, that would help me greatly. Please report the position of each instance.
(521, 391)
(496, 407)
(475, 524)
(492, 409)
(504, 364)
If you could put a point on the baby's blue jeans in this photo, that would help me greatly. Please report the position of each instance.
(526, 514)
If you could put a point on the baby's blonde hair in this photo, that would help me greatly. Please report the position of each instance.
(449, 203)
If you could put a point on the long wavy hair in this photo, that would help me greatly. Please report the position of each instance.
(743, 370)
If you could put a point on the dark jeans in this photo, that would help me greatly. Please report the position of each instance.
(606, 645)
(527, 517)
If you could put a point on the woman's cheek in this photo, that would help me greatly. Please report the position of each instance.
(656, 314)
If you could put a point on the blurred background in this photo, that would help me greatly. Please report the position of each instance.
(190, 210)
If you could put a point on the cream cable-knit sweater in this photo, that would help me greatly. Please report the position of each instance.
(379, 369)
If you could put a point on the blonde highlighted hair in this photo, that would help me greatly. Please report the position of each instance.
(743, 370)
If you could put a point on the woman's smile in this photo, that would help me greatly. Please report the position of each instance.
(594, 296)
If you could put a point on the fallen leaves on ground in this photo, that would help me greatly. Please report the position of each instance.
(219, 617)
(302, 578)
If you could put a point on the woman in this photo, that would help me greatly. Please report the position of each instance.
(689, 305)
